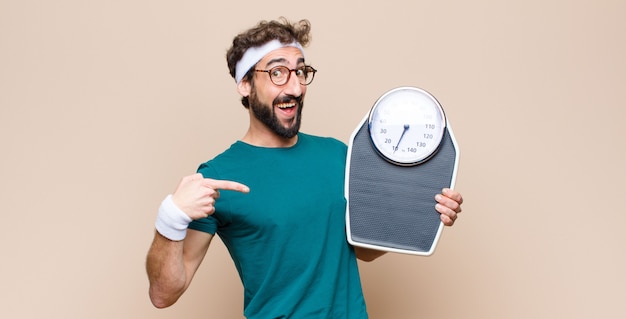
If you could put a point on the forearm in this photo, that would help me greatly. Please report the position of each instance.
(166, 271)
(176, 251)
(366, 254)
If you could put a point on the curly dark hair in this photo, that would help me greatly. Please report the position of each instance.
(263, 32)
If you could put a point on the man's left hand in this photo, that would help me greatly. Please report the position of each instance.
(448, 205)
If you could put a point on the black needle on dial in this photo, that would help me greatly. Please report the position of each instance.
(406, 128)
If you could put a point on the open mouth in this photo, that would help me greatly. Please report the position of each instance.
(284, 106)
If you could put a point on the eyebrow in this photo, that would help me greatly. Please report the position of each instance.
(282, 60)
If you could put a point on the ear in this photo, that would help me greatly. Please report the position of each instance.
(243, 87)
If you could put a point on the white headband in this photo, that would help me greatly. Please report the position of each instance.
(255, 54)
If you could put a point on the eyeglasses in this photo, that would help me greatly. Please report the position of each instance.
(279, 75)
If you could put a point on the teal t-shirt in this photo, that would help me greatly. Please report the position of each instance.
(287, 236)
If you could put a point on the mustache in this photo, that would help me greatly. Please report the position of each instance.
(288, 98)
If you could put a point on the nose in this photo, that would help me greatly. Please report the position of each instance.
(293, 86)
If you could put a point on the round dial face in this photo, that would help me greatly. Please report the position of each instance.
(406, 126)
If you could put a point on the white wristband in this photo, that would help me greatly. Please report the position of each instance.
(171, 221)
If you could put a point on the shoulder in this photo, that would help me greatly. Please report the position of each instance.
(229, 156)
(329, 142)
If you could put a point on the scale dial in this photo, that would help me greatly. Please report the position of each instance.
(406, 126)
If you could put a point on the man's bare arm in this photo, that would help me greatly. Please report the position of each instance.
(172, 264)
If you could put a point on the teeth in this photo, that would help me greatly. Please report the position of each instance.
(285, 105)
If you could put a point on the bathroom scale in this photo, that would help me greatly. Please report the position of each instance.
(399, 157)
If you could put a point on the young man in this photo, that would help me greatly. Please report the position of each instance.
(275, 197)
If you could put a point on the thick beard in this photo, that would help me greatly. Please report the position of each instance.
(266, 115)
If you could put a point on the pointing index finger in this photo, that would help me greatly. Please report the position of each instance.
(226, 185)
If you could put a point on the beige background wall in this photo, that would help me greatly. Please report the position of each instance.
(104, 105)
